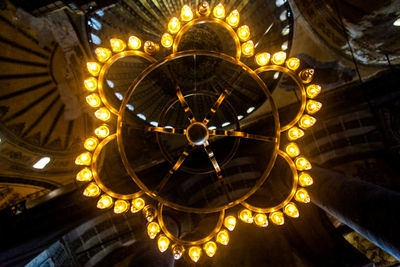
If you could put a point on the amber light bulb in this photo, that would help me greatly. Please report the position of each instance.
(248, 49)
(93, 68)
(186, 13)
(93, 100)
(302, 196)
(163, 243)
(153, 229)
(137, 205)
(149, 212)
(261, 220)
(92, 190)
(302, 164)
(84, 175)
(167, 40)
(177, 251)
(102, 131)
(210, 248)
(174, 25)
(151, 48)
(313, 106)
(121, 206)
(91, 84)
(306, 121)
(104, 202)
(102, 54)
(262, 59)
(91, 143)
(243, 33)
(117, 45)
(195, 253)
(305, 179)
(230, 222)
(219, 11)
(278, 58)
(293, 63)
(223, 237)
(293, 150)
(103, 114)
(277, 218)
(295, 133)
(246, 216)
(306, 75)
(134, 43)
(233, 18)
(313, 90)
(291, 210)
(84, 159)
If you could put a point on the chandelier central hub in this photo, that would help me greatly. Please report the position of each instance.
(197, 134)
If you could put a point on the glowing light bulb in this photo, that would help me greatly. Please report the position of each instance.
(84, 175)
(243, 33)
(137, 205)
(306, 75)
(104, 202)
(102, 54)
(295, 133)
(84, 159)
(302, 164)
(210, 248)
(93, 68)
(177, 251)
(121, 206)
(262, 59)
(230, 222)
(93, 100)
(103, 114)
(277, 218)
(195, 253)
(149, 213)
(233, 18)
(174, 25)
(223, 237)
(313, 90)
(91, 84)
(134, 43)
(313, 106)
(292, 150)
(305, 179)
(302, 196)
(91, 143)
(248, 49)
(167, 40)
(261, 220)
(291, 210)
(163, 243)
(151, 48)
(306, 121)
(117, 45)
(102, 131)
(92, 190)
(246, 216)
(203, 9)
(153, 229)
(293, 63)
(186, 13)
(219, 11)
(278, 58)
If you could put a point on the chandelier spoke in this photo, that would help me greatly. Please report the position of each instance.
(241, 134)
(213, 160)
(166, 130)
(185, 105)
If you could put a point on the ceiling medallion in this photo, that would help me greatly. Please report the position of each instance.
(197, 133)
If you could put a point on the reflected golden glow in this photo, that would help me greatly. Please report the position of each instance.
(261, 220)
(278, 58)
(121, 206)
(104, 202)
(84, 159)
(223, 237)
(134, 43)
(167, 40)
(177, 251)
(313, 90)
(153, 229)
(102, 131)
(302, 164)
(295, 133)
(92, 190)
(93, 68)
(302, 196)
(262, 59)
(91, 84)
(210, 248)
(203, 9)
(186, 13)
(174, 25)
(93, 100)
(137, 205)
(230, 222)
(163, 243)
(103, 114)
(305, 179)
(293, 150)
(248, 49)
(195, 253)
(117, 45)
(219, 11)
(243, 33)
(102, 54)
(306, 75)
(277, 218)
(291, 210)
(91, 143)
(233, 18)
(306, 121)
(85, 175)
(151, 48)
(246, 216)
(293, 63)
(313, 106)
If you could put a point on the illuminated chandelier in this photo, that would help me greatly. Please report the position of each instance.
(198, 133)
